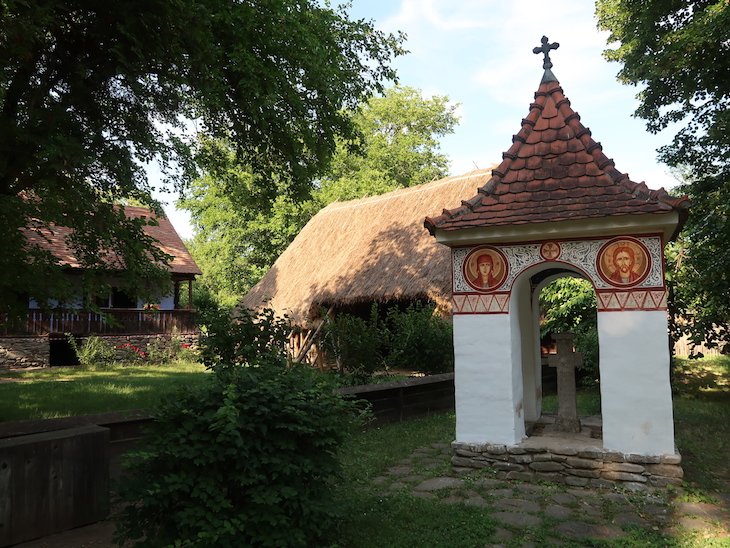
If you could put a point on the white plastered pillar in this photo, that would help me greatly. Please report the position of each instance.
(526, 332)
(636, 397)
(488, 380)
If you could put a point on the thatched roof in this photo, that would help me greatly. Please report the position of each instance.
(371, 249)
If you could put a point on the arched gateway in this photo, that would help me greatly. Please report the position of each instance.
(557, 205)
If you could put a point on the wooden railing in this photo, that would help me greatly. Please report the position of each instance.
(108, 321)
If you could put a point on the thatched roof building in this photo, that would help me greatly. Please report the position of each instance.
(371, 249)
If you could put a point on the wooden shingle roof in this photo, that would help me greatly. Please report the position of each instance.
(554, 171)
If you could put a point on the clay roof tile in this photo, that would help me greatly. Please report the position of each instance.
(554, 170)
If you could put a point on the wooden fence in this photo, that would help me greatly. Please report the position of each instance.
(682, 348)
(128, 321)
(121, 431)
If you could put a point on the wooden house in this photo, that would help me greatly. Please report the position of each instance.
(41, 339)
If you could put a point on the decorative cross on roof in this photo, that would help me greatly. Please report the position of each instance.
(545, 49)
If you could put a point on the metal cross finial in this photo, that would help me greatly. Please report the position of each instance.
(545, 49)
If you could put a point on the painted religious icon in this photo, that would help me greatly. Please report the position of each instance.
(623, 262)
(550, 251)
(485, 268)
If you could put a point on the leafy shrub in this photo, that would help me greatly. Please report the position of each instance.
(247, 460)
(244, 337)
(94, 352)
(130, 353)
(164, 349)
(569, 304)
(586, 342)
(356, 344)
(420, 340)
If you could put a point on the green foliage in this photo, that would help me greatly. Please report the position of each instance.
(94, 352)
(677, 53)
(698, 273)
(244, 221)
(569, 305)
(397, 147)
(162, 350)
(245, 338)
(89, 94)
(130, 354)
(356, 344)
(240, 226)
(246, 461)
(420, 340)
(411, 339)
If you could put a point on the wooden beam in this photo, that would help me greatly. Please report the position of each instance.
(311, 337)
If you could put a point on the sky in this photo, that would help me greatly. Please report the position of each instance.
(479, 54)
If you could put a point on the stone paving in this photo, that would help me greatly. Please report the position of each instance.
(575, 516)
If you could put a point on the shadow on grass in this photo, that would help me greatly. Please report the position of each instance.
(52, 394)
(702, 422)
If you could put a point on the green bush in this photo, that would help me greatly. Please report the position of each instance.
(356, 344)
(94, 352)
(420, 340)
(244, 337)
(247, 460)
(130, 353)
(586, 342)
(569, 305)
(164, 349)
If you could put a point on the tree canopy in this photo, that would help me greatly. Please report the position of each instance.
(240, 231)
(397, 146)
(678, 54)
(89, 93)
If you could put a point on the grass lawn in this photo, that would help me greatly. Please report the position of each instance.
(401, 520)
(67, 391)
(702, 423)
(701, 414)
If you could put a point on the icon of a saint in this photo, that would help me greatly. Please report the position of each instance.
(485, 269)
(623, 262)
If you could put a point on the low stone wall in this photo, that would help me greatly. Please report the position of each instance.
(572, 466)
(18, 352)
(142, 341)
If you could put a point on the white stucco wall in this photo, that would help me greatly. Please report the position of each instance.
(527, 338)
(167, 303)
(488, 380)
(636, 397)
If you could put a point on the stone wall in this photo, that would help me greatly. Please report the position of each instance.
(572, 466)
(142, 341)
(24, 352)
(19, 352)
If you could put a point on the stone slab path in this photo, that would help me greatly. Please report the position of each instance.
(576, 516)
